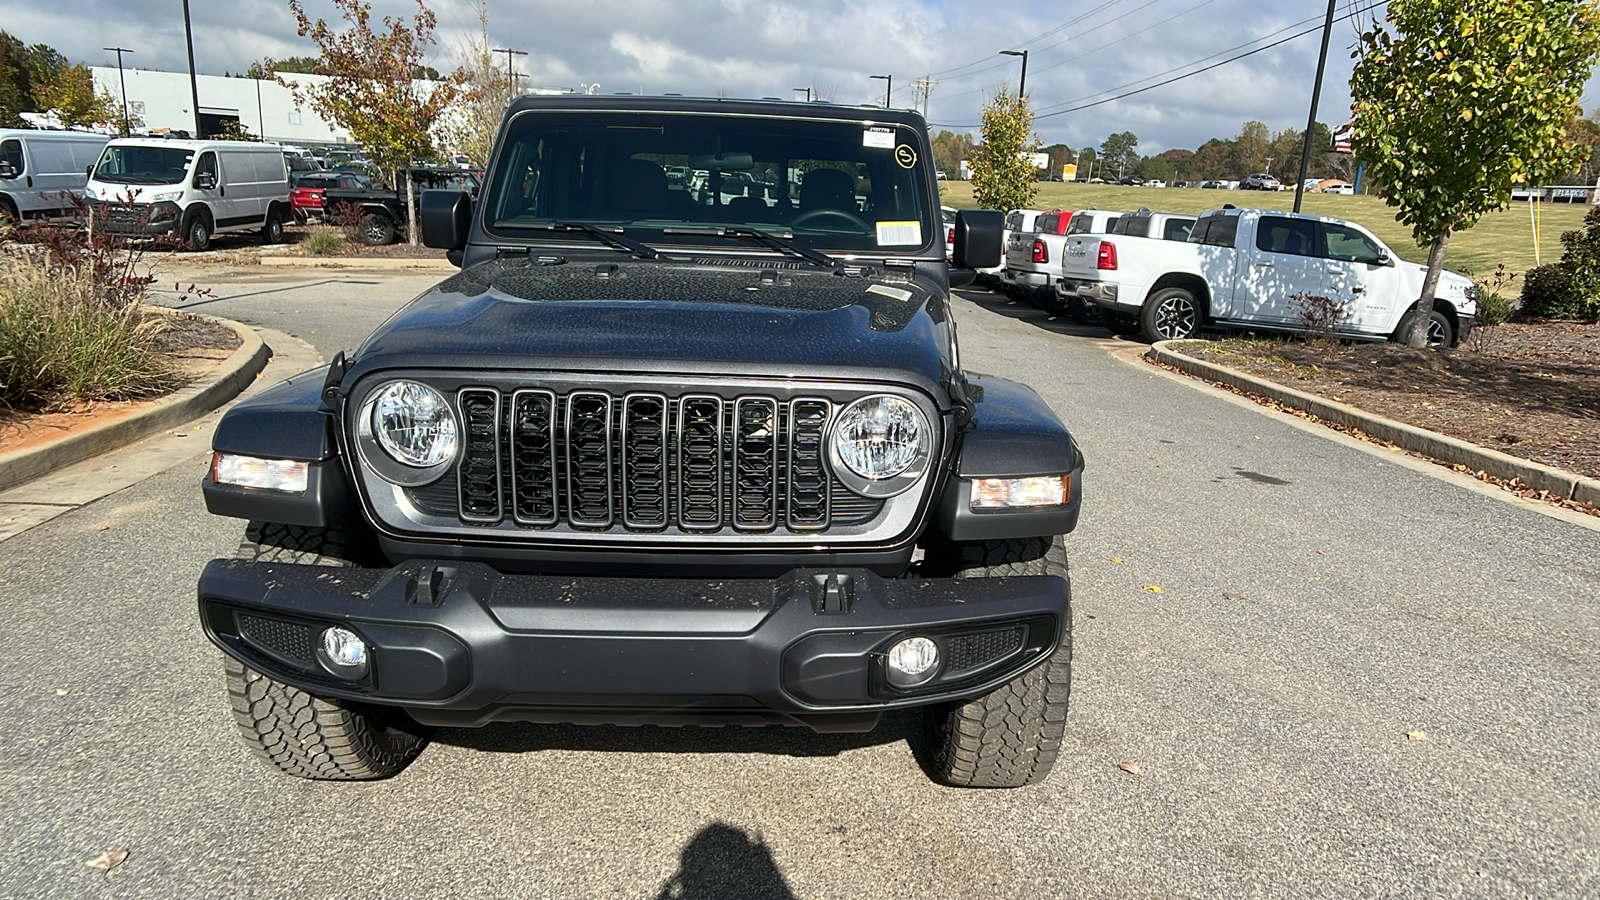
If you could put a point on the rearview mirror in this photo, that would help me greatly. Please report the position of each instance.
(446, 219)
(727, 162)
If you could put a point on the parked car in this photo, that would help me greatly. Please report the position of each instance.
(939, 174)
(383, 210)
(1131, 180)
(1155, 183)
(43, 173)
(948, 215)
(1143, 223)
(1244, 268)
(747, 481)
(1029, 257)
(306, 196)
(190, 190)
(1260, 181)
(1339, 189)
(1214, 185)
(299, 166)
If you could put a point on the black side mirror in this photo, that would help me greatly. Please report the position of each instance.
(205, 181)
(7, 170)
(978, 233)
(446, 219)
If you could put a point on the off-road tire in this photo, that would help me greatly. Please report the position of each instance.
(1170, 314)
(272, 230)
(197, 233)
(377, 230)
(1010, 736)
(311, 737)
(342, 545)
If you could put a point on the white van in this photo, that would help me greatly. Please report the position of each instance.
(43, 172)
(190, 190)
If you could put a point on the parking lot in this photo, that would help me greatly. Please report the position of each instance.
(1304, 667)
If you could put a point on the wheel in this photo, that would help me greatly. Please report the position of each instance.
(1080, 310)
(308, 736)
(1010, 736)
(272, 231)
(344, 544)
(8, 216)
(826, 213)
(198, 234)
(377, 230)
(1170, 314)
(1440, 332)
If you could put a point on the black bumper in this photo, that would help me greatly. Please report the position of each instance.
(147, 220)
(458, 643)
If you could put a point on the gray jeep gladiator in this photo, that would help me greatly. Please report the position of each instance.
(687, 440)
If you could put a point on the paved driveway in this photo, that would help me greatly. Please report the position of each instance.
(1316, 603)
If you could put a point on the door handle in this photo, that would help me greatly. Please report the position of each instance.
(223, 190)
(1265, 264)
(30, 181)
(1358, 290)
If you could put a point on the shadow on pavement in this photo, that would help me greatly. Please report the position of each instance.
(722, 862)
(1023, 311)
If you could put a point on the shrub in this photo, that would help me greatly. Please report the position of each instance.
(65, 338)
(324, 240)
(1321, 317)
(1549, 292)
(1494, 308)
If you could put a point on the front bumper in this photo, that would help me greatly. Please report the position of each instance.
(460, 644)
(146, 219)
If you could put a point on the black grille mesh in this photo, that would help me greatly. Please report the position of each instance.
(970, 651)
(290, 640)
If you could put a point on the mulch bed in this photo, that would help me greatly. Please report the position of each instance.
(1530, 390)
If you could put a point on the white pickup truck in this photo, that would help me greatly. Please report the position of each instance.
(1250, 268)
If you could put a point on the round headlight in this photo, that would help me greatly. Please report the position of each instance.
(881, 445)
(414, 425)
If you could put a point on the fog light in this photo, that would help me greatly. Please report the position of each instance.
(912, 661)
(344, 648)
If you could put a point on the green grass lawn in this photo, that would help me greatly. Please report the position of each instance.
(1502, 237)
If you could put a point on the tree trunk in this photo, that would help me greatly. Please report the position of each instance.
(410, 210)
(1418, 338)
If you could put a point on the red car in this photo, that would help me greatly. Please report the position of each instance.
(306, 197)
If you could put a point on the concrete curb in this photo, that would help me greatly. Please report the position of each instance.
(1410, 437)
(356, 262)
(225, 382)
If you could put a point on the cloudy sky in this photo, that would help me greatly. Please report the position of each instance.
(1080, 51)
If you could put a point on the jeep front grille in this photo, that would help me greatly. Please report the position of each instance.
(590, 460)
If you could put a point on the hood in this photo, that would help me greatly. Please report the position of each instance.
(1455, 289)
(737, 317)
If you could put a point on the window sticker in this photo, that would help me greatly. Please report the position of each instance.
(878, 136)
(893, 293)
(894, 234)
(905, 156)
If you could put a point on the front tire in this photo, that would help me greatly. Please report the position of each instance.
(198, 234)
(1440, 332)
(311, 737)
(1170, 314)
(1010, 736)
(272, 231)
(377, 230)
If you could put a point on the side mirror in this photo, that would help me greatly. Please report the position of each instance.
(7, 170)
(446, 219)
(1384, 259)
(978, 233)
(205, 181)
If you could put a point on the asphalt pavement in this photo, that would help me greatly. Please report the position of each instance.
(1339, 672)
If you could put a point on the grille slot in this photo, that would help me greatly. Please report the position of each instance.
(974, 651)
(755, 463)
(700, 462)
(644, 461)
(533, 457)
(292, 641)
(589, 459)
(808, 476)
(479, 472)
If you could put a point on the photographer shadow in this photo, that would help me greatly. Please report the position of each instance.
(722, 862)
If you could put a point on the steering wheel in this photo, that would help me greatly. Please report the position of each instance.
(826, 212)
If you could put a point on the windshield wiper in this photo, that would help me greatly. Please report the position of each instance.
(609, 238)
(766, 237)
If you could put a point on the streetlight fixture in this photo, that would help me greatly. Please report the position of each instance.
(1022, 86)
(194, 83)
(808, 93)
(124, 83)
(888, 88)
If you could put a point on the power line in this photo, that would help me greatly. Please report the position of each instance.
(987, 59)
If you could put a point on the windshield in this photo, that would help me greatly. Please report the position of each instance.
(831, 185)
(143, 165)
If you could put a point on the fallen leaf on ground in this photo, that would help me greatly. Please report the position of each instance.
(1132, 768)
(1416, 735)
(1153, 588)
(1233, 596)
(108, 860)
(62, 692)
(1117, 560)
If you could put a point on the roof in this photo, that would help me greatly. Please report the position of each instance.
(716, 105)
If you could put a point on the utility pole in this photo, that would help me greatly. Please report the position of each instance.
(888, 87)
(1022, 86)
(194, 83)
(1311, 123)
(511, 77)
(124, 83)
(924, 88)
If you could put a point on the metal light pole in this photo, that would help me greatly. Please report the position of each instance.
(1022, 86)
(1311, 123)
(888, 88)
(124, 83)
(511, 77)
(808, 93)
(194, 83)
